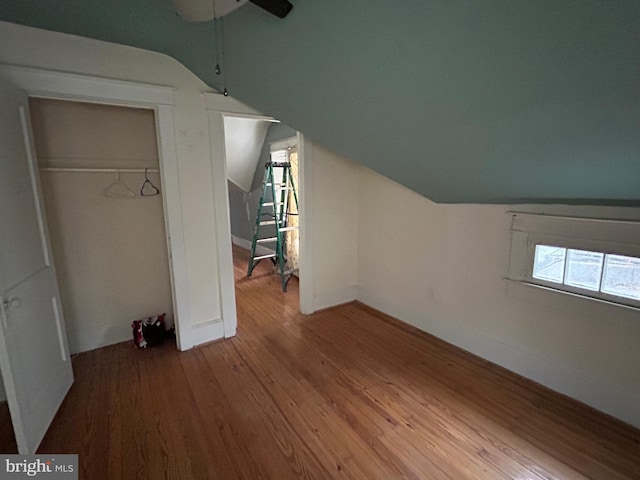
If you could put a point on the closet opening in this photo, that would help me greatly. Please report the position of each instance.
(104, 204)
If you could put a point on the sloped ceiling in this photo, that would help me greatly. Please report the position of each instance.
(495, 101)
(244, 138)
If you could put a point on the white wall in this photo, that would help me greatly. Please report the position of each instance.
(110, 253)
(333, 210)
(243, 139)
(31, 47)
(78, 134)
(441, 269)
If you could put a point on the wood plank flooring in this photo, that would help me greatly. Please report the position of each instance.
(7, 438)
(345, 393)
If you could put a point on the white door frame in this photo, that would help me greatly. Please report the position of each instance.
(218, 107)
(65, 86)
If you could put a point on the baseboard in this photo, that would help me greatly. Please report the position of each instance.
(83, 340)
(591, 391)
(334, 297)
(241, 242)
(90, 338)
(246, 244)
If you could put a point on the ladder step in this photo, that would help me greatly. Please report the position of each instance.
(260, 257)
(277, 217)
(265, 240)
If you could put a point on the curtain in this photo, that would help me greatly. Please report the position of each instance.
(293, 236)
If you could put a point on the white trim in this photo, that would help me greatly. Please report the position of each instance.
(248, 116)
(246, 244)
(219, 106)
(334, 298)
(172, 207)
(99, 170)
(61, 85)
(576, 232)
(241, 242)
(222, 223)
(305, 199)
(619, 403)
(29, 144)
(625, 316)
(98, 336)
(566, 217)
(605, 236)
(573, 294)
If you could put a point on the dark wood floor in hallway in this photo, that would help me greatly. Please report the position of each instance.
(344, 393)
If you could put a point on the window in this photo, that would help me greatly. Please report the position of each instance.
(584, 269)
(616, 275)
(591, 258)
(549, 263)
(621, 276)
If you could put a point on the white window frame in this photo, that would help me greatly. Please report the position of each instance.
(621, 237)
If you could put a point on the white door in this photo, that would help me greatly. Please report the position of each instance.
(34, 356)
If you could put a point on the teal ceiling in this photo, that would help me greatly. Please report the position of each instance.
(495, 101)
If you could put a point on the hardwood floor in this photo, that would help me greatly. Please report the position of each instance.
(7, 438)
(345, 393)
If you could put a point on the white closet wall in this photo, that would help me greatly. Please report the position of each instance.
(110, 253)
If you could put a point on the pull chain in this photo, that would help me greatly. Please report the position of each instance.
(219, 48)
(224, 71)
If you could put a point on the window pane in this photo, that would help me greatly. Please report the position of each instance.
(548, 263)
(621, 276)
(583, 269)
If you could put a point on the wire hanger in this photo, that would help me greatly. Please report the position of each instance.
(118, 188)
(148, 189)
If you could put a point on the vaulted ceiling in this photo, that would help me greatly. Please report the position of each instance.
(494, 101)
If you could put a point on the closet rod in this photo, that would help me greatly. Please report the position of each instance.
(100, 170)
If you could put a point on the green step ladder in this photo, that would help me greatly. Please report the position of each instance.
(273, 214)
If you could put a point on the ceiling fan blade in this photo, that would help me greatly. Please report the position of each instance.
(279, 8)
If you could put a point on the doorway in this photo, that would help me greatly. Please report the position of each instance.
(250, 145)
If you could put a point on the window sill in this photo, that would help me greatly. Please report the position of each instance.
(575, 303)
